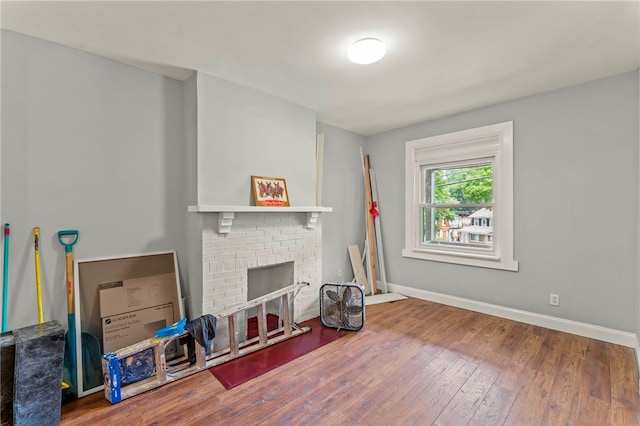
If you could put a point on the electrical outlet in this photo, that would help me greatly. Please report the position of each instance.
(339, 274)
(554, 299)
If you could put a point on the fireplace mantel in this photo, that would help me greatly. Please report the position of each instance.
(226, 214)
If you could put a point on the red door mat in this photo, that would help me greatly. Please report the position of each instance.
(247, 367)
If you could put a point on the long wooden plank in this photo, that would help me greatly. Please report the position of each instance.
(371, 234)
(356, 265)
(378, 226)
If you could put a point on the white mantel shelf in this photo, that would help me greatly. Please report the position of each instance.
(227, 213)
(259, 209)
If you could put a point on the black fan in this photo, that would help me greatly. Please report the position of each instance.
(342, 306)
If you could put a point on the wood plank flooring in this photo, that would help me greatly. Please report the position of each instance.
(414, 363)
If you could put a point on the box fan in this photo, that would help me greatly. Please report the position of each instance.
(342, 306)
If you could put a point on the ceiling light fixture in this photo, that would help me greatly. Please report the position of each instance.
(366, 51)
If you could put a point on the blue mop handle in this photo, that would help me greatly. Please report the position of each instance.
(5, 278)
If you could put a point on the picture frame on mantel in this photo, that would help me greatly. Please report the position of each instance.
(269, 191)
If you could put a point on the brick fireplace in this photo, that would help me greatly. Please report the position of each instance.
(259, 240)
(233, 244)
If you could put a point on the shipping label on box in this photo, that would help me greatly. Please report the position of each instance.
(121, 330)
(138, 293)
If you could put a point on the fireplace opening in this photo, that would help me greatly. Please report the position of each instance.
(262, 281)
(266, 279)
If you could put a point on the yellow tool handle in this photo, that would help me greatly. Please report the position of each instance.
(36, 244)
(69, 259)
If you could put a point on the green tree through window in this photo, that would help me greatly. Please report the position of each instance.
(452, 194)
(471, 184)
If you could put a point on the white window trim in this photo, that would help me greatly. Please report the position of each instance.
(495, 141)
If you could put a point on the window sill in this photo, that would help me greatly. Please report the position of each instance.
(463, 259)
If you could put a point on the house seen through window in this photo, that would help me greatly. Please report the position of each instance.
(458, 206)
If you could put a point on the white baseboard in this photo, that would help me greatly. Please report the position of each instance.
(581, 329)
(637, 350)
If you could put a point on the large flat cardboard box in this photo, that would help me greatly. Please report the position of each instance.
(133, 310)
(125, 329)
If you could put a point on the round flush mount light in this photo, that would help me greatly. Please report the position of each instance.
(366, 51)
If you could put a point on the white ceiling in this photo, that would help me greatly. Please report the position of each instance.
(442, 57)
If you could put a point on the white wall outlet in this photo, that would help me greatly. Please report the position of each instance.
(554, 299)
(339, 274)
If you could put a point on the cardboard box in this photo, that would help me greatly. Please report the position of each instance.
(125, 329)
(135, 294)
(133, 310)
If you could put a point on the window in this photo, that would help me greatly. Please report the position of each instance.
(464, 180)
(459, 193)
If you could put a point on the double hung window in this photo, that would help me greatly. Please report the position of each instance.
(459, 197)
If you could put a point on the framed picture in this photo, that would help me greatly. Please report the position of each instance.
(269, 191)
(120, 301)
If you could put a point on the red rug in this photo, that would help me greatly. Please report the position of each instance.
(247, 367)
(252, 325)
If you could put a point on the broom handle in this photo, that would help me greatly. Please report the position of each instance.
(69, 262)
(5, 278)
(36, 245)
(71, 322)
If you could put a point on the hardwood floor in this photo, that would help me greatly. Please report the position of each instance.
(414, 363)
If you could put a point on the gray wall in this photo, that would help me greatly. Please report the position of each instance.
(343, 190)
(240, 132)
(87, 144)
(244, 132)
(575, 203)
(99, 146)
